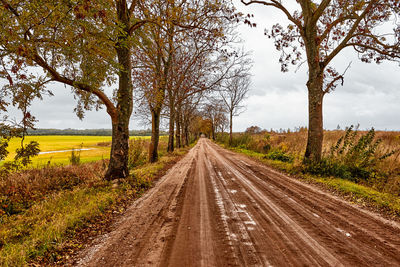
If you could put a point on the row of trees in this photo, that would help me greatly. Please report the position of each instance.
(164, 57)
(179, 56)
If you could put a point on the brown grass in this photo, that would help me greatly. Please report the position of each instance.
(20, 190)
(294, 143)
(39, 207)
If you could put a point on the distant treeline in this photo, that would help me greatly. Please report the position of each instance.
(88, 132)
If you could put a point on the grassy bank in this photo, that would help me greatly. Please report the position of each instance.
(375, 183)
(38, 220)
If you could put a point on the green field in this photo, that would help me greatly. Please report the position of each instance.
(57, 143)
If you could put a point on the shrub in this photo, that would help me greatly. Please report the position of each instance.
(136, 152)
(22, 189)
(352, 158)
(241, 141)
(75, 158)
(279, 155)
(104, 144)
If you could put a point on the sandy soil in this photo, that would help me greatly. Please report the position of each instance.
(218, 208)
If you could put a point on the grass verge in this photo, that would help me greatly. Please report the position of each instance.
(356, 193)
(36, 234)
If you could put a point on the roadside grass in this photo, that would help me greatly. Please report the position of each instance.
(45, 224)
(98, 144)
(358, 193)
(30, 234)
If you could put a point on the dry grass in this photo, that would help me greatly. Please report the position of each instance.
(20, 190)
(294, 144)
(388, 203)
(40, 206)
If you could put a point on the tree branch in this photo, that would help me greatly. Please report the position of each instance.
(111, 110)
(349, 34)
(278, 5)
(320, 10)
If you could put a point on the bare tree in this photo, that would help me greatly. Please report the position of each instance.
(172, 51)
(188, 113)
(213, 111)
(233, 93)
(221, 122)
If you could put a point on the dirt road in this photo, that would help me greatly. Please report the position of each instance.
(218, 208)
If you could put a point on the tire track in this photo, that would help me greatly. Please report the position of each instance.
(340, 242)
(218, 208)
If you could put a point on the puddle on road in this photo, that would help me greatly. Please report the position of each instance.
(343, 232)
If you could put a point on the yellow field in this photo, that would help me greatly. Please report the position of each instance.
(57, 143)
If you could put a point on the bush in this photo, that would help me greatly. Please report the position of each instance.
(20, 190)
(279, 155)
(241, 141)
(351, 158)
(137, 154)
(75, 158)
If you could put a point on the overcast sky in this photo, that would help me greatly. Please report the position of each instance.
(370, 95)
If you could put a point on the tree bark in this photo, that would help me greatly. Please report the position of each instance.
(155, 136)
(213, 130)
(315, 120)
(178, 130)
(316, 93)
(186, 134)
(118, 166)
(170, 147)
(230, 127)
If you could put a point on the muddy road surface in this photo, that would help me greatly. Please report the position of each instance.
(218, 208)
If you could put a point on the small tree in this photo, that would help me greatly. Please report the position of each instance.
(214, 111)
(234, 92)
(322, 30)
(253, 130)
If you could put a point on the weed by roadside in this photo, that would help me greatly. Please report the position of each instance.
(20, 190)
(356, 157)
(137, 152)
(369, 158)
(358, 193)
(75, 158)
(363, 166)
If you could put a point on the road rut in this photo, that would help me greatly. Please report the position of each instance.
(219, 208)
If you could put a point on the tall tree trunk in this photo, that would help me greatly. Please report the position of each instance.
(155, 135)
(213, 130)
(182, 135)
(178, 129)
(186, 134)
(118, 166)
(315, 85)
(230, 127)
(170, 147)
(315, 119)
